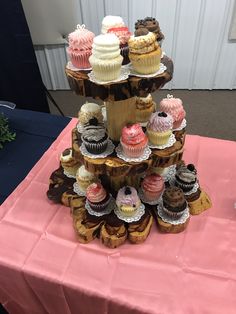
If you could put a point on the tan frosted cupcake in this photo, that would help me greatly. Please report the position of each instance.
(145, 52)
(106, 59)
(68, 162)
(84, 178)
(90, 111)
(159, 128)
(145, 106)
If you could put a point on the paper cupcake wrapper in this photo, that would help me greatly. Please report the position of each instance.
(171, 142)
(80, 60)
(139, 212)
(71, 67)
(162, 69)
(96, 148)
(122, 75)
(172, 220)
(132, 152)
(144, 199)
(186, 187)
(107, 210)
(109, 150)
(147, 152)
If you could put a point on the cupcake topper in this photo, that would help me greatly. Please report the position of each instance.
(128, 190)
(170, 96)
(80, 27)
(93, 121)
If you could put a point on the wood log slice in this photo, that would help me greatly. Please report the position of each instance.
(166, 227)
(200, 205)
(133, 86)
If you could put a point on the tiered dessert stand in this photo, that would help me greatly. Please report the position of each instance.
(120, 100)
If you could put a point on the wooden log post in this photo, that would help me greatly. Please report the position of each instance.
(120, 113)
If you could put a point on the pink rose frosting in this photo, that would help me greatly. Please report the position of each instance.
(160, 122)
(127, 196)
(95, 193)
(153, 183)
(133, 135)
(174, 107)
(122, 33)
(81, 39)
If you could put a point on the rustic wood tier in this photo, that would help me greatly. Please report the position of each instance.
(133, 86)
(114, 166)
(119, 97)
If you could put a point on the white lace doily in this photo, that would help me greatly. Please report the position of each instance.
(172, 220)
(77, 190)
(68, 174)
(144, 156)
(80, 128)
(71, 67)
(135, 217)
(170, 173)
(161, 70)
(107, 152)
(142, 197)
(170, 143)
(182, 126)
(106, 211)
(124, 74)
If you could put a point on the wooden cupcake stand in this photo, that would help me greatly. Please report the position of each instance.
(120, 102)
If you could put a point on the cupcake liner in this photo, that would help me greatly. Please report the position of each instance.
(131, 151)
(80, 59)
(95, 148)
(186, 187)
(97, 207)
(151, 196)
(106, 70)
(173, 214)
(172, 220)
(147, 65)
(158, 138)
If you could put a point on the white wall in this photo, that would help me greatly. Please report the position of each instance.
(196, 34)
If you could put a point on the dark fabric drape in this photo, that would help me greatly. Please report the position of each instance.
(20, 80)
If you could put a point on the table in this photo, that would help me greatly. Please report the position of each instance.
(35, 132)
(43, 269)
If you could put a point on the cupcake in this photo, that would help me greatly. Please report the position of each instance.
(152, 25)
(106, 59)
(111, 21)
(152, 187)
(89, 111)
(80, 47)
(174, 107)
(186, 177)
(145, 106)
(84, 178)
(159, 128)
(123, 34)
(94, 137)
(174, 202)
(133, 140)
(68, 162)
(128, 201)
(97, 197)
(144, 52)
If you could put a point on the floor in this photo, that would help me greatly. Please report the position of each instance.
(209, 113)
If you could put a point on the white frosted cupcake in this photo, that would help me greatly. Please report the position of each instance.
(106, 59)
(84, 178)
(110, 21)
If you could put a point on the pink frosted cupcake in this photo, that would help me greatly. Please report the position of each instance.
(97, 197)
(127, 200)
(159, 128)
(123, 34)
(133, 140)
(80, 47)
(174, 107)
(152, 187)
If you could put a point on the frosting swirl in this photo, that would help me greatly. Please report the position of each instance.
(93, 133)
(174, 107)
(153, 183)
(187, 173)
(133, 135)
(122, 33)
(96, 193)
(81, 39)
(160, 122)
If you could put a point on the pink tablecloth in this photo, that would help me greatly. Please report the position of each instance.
(43, 269)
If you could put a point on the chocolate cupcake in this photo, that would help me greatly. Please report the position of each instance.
(174, 202)
(186, 177)
(95, 137)
(152, 25)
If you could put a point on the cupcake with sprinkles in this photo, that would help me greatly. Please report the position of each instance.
(94, 137)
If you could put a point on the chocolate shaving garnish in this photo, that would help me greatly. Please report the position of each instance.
(93, 121)
(141, 32)
(127, 191)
